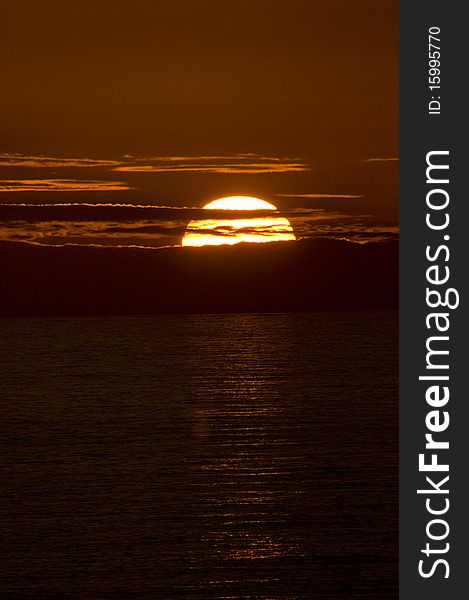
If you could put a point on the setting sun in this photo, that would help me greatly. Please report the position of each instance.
(240, 203)
(236, 229)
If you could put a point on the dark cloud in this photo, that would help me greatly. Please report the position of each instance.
(154, 227)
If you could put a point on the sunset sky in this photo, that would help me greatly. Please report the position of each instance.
(166, 106)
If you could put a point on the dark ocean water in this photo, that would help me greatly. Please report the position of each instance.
(230, 456)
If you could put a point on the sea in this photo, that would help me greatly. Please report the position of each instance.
(201, 457)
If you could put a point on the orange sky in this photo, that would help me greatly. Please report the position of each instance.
(176, 103)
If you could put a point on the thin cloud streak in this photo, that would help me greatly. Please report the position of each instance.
(63, 185)
(234, 169)
(383, 159)
(46, 162)
(236, 163)
(320, 196)
(94, 205)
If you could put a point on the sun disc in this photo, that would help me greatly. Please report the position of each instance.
(240, 203)
(237, 228)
